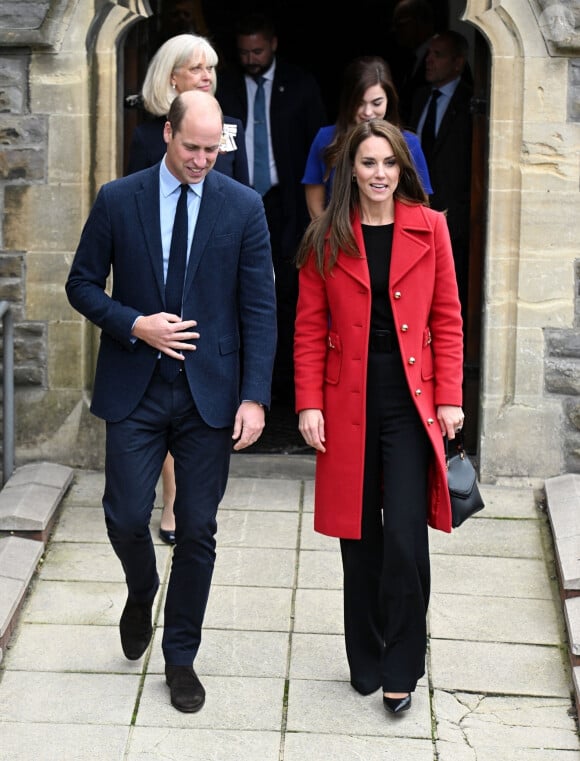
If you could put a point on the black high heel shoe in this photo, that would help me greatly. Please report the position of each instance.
(397, 705)
(167, 536)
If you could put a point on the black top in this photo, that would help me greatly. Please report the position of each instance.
(378, 241)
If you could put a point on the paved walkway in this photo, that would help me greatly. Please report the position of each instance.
(498, 686)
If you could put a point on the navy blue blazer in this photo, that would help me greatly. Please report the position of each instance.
(297, 112)
(148, 147)
(229, 290)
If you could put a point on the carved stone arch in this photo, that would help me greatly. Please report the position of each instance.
(529, 175)
(503, 32)
(110, 25)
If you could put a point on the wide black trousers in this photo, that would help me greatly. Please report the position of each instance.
(387, 570)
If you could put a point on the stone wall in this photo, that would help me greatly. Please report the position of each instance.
(562, 375)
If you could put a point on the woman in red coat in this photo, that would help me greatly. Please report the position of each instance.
(378, 373)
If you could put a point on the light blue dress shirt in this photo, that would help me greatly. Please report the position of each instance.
(169, 191)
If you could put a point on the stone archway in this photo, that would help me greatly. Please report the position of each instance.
(530, 250)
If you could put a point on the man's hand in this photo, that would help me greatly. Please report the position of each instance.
(167, 333)
(248, 424)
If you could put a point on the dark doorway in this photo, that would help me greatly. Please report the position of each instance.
(324, 47)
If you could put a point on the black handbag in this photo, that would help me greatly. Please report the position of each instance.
(462, 481)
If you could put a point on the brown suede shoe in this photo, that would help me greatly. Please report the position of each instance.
(187, 692)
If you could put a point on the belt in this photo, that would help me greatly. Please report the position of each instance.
(383, 341)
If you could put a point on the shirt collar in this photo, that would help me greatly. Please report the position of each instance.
(168, 182)
(450, 87)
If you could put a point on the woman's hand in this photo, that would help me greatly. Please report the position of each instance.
(311, 426)
(450, 419)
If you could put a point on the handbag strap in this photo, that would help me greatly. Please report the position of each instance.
(457, 443)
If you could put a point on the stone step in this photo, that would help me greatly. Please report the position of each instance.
(29, 503)
(563, 507)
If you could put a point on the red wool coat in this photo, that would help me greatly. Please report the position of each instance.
(331, 353)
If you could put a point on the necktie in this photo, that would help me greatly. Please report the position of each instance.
(428, 131)
(170, 367)
(261, 160)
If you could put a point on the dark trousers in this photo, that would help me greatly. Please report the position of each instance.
(286, 283)
(167, 420)
(387, 570)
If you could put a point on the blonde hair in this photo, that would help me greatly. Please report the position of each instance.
(178, 51)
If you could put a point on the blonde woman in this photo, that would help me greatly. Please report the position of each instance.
(184, 62)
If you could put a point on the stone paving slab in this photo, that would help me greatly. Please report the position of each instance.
(238, 703)
(318, 656)
(67, 648)
(277, 495)
(84, 561)
(233, 652)
(508, 726)
(320, 569)
(326, 707)
(491, 537)
(523, 578)
(79, 698)
(499, 668)
(494, 619)
(237, 528)
(254, 566)
(254, 608)
(193, 744)
(75, 602)
(319, 611)
(508, 502)
(41, 741)
(302, 746)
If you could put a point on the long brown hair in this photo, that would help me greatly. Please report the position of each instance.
(332, 231)
(360, 74)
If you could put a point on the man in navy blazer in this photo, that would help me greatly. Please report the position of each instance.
(295, 113)
(219, 393)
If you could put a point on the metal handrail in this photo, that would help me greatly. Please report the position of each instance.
(8, 390)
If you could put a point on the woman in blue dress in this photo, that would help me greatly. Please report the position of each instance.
(367, 93)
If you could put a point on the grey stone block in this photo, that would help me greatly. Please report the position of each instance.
(18, 561)
(563, 504)
(572, 615)
(31, 496)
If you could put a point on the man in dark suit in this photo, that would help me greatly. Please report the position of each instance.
(447, 145)
(172, 378)
(294, 114)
